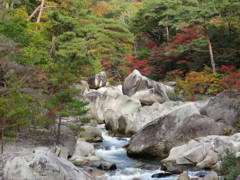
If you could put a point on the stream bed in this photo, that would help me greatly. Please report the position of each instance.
(112, 151)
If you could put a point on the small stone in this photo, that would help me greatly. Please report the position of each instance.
(138, 165)
(183, 176)
(161, 175)
(212, 175)
(174, 170)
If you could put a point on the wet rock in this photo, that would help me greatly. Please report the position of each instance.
(85, 161)
(201, 174)
(183, 176)
(212, 175)
(138, 165)
(38, 164)
(104, 165)
(148, 91)
(98, 80)
(174, 170)
(161, 175)
(151, 168)
(94, 172)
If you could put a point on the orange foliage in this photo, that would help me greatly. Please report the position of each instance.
(101, 8)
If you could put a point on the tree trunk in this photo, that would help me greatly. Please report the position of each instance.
(53, 48)
(59, 128)
(208, 41)
(40, 11)
(210, 53)
(167, 31)
(2, 134)
(34, 12)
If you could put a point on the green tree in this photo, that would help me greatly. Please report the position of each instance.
(109, 41)
(18, 112)
(62, 99)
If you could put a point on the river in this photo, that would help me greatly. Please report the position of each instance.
(112, 151)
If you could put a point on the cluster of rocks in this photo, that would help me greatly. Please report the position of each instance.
(191, 131)
(142, 109)
(205, 152)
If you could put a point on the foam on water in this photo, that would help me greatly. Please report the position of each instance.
(113, 151)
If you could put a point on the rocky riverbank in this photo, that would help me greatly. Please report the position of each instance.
(180, 133)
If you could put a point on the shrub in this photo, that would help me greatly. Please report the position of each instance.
(203, 82)
(230, 167)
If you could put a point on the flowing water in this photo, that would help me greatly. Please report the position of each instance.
(112, 151)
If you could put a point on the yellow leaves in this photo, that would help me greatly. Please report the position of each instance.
(136, 4)
(129, 47)
(22, 12)
(92, 50)
(101, 8)
(203, 82)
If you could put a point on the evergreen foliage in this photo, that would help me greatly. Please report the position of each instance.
(18, 112)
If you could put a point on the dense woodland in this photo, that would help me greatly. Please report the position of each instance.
(193, 42)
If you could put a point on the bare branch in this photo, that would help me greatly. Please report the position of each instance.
(34, 12)
(40, 11)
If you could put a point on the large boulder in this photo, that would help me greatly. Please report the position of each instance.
(83, 149)
(91, 134)
(225, 107)
(84, 154)
(129, 124)
(204, 152)
(110, 98)
(159, 136)
(146, 90)
(98, 80)
(38, 164)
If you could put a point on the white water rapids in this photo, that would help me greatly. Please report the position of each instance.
(112, 151)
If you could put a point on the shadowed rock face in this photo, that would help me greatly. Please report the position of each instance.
(129, 124)
(38, 164)
(98, 80)
(225, 107)
(144, 89)
(159, 136)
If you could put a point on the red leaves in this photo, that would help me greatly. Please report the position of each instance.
(227, 69)
(167, 57)
(231, 80)
(141, 65)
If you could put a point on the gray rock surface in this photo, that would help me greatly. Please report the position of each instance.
(129, 124)
(212, 175)
(91, 134)
(83, 149)
(183, 176)
(146, 90)
(110, 98)
(225, 107)
(182, 124)
(98, 80)
(84, 154)
(38, 164)
(204, 152)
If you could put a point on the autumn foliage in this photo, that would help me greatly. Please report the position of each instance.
(176, 54)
